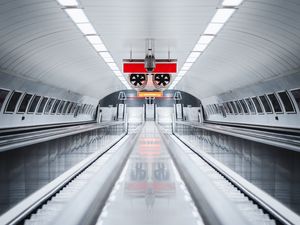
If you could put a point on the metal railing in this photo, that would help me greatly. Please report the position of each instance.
(209, 141)
(87, 206)
(10, 142)
(214, 207)
(60, 157)
(290, 142)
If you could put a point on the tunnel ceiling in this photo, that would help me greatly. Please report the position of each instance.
(40, 42)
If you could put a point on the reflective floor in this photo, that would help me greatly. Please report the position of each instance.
(274, 170)
(149, 190)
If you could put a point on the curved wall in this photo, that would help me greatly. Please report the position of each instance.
(274, 102)
(28, 103)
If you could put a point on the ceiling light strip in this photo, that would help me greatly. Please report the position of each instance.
(77, 15)
(222, 15)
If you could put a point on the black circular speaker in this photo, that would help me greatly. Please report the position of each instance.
(161, 80)
(138, 80)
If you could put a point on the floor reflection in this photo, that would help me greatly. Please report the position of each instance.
(151, 191)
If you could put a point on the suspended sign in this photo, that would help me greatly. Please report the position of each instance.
(138, 66)
(153, 94)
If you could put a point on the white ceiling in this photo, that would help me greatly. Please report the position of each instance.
(39, 41)
(260, 41)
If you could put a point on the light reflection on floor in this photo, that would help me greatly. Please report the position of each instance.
(149, 190)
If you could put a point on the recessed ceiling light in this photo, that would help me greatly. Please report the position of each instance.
(77, 15)
(106, 56)
(205, 39)
(113, 66)
(68, 2)
(200, 47)
(181, 73)
(108, 60)
(186, 66)
(86, 28)
(232, 2)
(100, 47)
(193, 57)
(222, 15)
(118, 73)
(94, 39)
(213, 28)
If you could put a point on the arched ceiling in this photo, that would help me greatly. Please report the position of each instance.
(260, 41)
(39, 41)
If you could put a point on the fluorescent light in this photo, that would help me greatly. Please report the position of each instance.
(222, 15)
(232, 2)
(193, 57)
(181, 73)
(199, 47)
(118, 73)
(205, 39)
(77, 15)
(113, 66)
(126, 84)
(100, 47)
(186, 66)
(108, 60)
(86, 28)
(191, 60)
(68, 2)
(106, 56)
(94, 39)
(213, 28)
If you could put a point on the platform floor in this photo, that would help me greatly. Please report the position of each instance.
(150, 190)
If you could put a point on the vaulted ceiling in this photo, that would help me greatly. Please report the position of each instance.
(39, 41)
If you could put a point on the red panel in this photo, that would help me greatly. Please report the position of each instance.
(134, 68)
(166, 68)
(160, 68)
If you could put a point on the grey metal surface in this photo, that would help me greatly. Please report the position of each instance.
(10, 142)
(290, 142)
(272, 169)
(150, 190)
(213, 205)
(19, 212)
(27, 169)
(237, 183)
(251, 211)
(88, 203)
(56, 204)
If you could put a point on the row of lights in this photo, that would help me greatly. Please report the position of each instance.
(71, 7)
(220, 18)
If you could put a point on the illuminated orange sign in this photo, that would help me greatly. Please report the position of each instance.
(155, 94)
